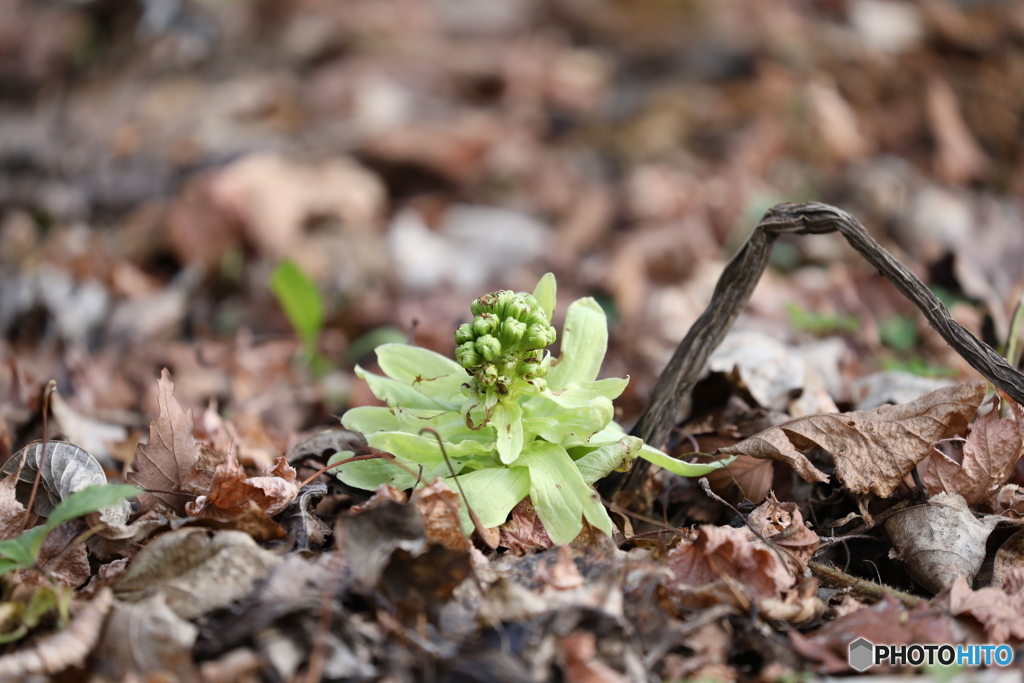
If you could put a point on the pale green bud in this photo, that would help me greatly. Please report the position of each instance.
(464, 334)
(488, 347)
(512, 331)
(537, 317)
(466, 355)
(519, 308)
(485, 323)
(539, 336)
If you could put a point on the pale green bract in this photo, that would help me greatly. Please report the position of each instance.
(514, 421)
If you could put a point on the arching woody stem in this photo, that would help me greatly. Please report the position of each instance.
(733, 291)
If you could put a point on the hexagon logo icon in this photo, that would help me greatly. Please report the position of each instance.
(862, 654)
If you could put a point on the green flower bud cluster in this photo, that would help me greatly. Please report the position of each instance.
(504, 343)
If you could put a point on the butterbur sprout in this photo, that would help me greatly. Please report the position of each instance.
(514, 429)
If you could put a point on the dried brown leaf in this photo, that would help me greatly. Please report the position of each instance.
(438, 506)
(196, 570)
(12, 513)
(160, 641)
(168, 462)
(1000, 611)
(873, 449)
(989, 456)
(940, 541)
(1010, 556)
(581, 664)
(724, 552)
(884, 622)
(524, 533)
(783, 525)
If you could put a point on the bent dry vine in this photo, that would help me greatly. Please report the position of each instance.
(733, 291)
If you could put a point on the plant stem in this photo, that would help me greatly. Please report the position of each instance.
(860, 588)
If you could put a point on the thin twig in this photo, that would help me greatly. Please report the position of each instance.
(477, 524)
(355, 458)
(51, 386)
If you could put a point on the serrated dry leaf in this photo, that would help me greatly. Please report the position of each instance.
(725, 552)
(940, 540)
(989, 456)
(873, 449)
(168, 462)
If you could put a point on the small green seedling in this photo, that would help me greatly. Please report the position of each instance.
(300, 300)
(514, 421)
(22, 551)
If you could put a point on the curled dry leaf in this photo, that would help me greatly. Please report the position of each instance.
(524, 533)
(783, 525)
(873, 449)
(66, 470)
(723, 552)
(170, 462)
(989, 456)
(325, 443)
(196, 570)
(304, 529)
(232, 491)
(940, 540)
(53, 654)
(1000, 610)
(438, 506)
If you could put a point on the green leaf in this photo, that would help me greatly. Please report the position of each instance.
(580, 394)
(545, 292)
(596, 465)
(424, 449)
(370, 474)
(90, 499)
(369, 419)
(559, 493)
(684, 469)
(554, 423)
(492, 493)
(507, 420)
(396, 394)
(299, 298)
(584, 342)
(429, 373)
(23, 549)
